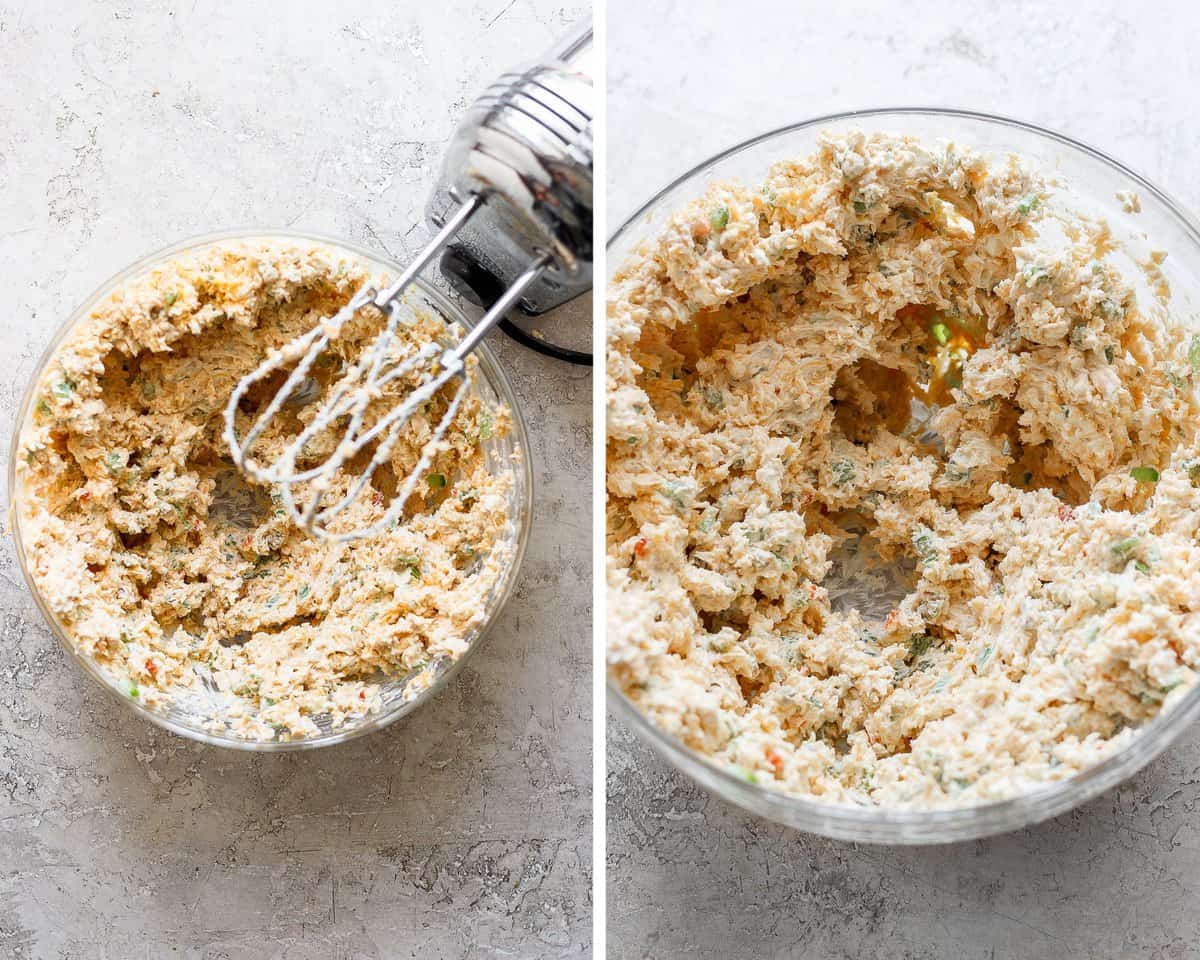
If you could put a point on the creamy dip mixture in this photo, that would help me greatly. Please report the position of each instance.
(178, 577)
(905, 360)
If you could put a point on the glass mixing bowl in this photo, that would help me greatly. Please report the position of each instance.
(1093, 179)
(399, 695)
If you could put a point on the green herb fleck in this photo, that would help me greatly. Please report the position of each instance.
(843, 471)
(170, 298)
(1123, 548)
(923, 543)
(64, 389)
(1144, 474)
(985, 655)
(1110, 353)
(42, 405)
(1036, 274)
(486, 426)
(1141, 566)
(860, 207)
(1194, 354)
(674, 493)
(436, 480)
(304, 592)
(1028, 204)
(411, 564)
(956, 473)
(940, 331)
(918, 644)
(748, 775)
(719, 219)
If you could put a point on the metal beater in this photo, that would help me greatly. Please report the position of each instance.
(512, 211)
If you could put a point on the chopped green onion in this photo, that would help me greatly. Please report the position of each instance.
(919, 643)
(436, 480)
(748, 775)
(1122, 548)
(941, 332)
(304, 591)
(1144, 474)
(719, 218)
(1028, 204)
(412, 564)
(923, 543)
(1141, 566)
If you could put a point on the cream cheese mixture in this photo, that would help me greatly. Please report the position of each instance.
(176, 576)
(898, 359)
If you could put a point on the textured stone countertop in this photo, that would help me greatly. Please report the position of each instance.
(688, 875)
(463, 831)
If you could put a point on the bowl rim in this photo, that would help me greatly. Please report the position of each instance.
(496, 378)
(906, 825)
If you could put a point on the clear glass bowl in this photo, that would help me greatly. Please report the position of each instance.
(399, 695)
(1092, 180)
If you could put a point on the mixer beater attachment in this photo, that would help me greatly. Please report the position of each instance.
(513, 214)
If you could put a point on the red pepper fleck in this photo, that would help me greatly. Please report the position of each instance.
(639, 548)
(776, 761)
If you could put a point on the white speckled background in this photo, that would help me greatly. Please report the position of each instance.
(461, 832)
(689, 876)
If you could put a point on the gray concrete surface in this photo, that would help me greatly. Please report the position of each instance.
(689, 876)
(462, 832)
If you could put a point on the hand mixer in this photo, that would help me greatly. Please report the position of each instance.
(512, 215)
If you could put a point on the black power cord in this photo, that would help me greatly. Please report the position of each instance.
(577, 357)
(481, 288)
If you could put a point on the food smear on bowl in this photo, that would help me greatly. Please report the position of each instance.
(180, 579)
(903, 480)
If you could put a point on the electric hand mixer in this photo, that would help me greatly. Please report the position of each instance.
(512, 212)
